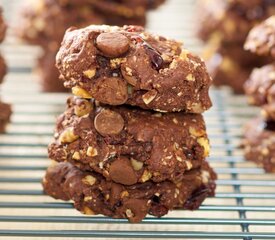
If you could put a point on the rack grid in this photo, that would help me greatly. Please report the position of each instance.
(244, 206)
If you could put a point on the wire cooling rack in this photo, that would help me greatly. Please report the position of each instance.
(244, 206)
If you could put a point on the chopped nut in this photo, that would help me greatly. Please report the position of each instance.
(205, 176)
(179, 158)
(129, 213)
(175, 121)
(190, 77)
(76, 156)
(149, 96)
(80, 92)
(196, 132)
(90, 73)
(146, 176)
(89, 180)
(205, 144)
(188, 165)
(184, 54)
(197, 108)
(84, 108)
(137, 165)
(91, 152)
(68, 136)
(124, 194)
(115, 62)
(88, 198)
(88, 211)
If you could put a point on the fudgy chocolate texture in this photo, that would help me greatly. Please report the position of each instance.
(45, 22)
(3, 26)
(93, 194)
(261, 39)
(231, 20)
(259, 143)
(260, 89)
(48, 73)
(5, 113)
(3, 68)
(129, 145)
(127, 65)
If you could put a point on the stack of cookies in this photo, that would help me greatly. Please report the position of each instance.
(132, 140)
(44, 23)
(5, 109)
(224, 25)
(260, 133)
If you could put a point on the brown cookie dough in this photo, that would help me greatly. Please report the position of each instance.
(127, 65)
(48, 73)
(3, 68)
(129, 145)
(5, 113)
(259, 143)
(92, 194)
(260, 89)
(3, 26)
(231, 20)
(261, 39)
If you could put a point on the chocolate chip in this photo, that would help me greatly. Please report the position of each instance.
(112, 44)
(121, 171)
(108, 123)
(111, 91)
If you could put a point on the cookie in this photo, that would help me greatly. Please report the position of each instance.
(260, 89)
(45, 22)
(3, 26)
(231, 20)
(259, 143)
(226, 72)
(129, 145)
(48, 73)
(261, 39)
(129, 66)
(5, 113)
(3, 68)
(236, 53)
(92, 194)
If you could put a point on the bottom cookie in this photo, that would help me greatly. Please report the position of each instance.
(259, 143)
(5, 113)
(93, 194)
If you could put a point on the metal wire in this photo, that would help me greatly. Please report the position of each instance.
(244, 206)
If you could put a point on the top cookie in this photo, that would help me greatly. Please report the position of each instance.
(261, 39)
(127, 65)
(231, 20)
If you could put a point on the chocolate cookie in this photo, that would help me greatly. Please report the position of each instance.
(3, 26)
(260, 89)
(261, 39)
(5, 113)
(129, 145)
(259, 143)
(45, 22)
(127, 65)
(226, 72)
(231, 20)
(48, 74)
(92, 194)
(3, 68)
